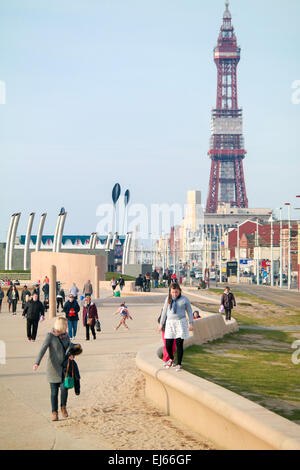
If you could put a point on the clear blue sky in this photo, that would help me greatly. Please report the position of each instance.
(106, 91)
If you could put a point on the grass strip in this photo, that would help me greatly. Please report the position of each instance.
(254, 364)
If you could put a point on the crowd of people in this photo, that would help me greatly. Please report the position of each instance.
(159, 279)
(175, 323)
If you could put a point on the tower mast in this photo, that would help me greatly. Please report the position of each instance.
(227, 183)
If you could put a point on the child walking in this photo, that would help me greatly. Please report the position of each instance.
(124, 315)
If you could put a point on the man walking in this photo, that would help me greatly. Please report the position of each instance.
(87, 289)
(60, 299)
(45, 289)
(139, 282)
(33, 310)
(155, 278)
(74, 291)
(36, 290)
(25, 296)
(121, 283)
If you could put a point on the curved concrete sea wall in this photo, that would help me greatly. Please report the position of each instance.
(225, 418)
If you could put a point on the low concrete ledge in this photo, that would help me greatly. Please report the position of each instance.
(225, 418)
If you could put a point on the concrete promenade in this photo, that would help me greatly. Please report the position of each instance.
(25, 412)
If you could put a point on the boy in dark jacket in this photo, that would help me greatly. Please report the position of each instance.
(71, 309)
(33, 310)
(228, 301)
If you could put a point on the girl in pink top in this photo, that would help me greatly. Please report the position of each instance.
(124, 314)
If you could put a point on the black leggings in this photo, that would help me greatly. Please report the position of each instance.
(228, 313)
(179, 349)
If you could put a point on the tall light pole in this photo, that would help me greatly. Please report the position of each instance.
(238, 253)
(289, 243)
(220, 243)
(257, 253)
(298, 247)
(280, 270)
(272, 263)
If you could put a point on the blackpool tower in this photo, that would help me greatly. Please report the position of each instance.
(227, 183)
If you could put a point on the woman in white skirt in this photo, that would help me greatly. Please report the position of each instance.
(176, 325)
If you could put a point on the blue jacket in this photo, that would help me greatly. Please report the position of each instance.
(183, 305)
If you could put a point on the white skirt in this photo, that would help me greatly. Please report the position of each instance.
(177, 329)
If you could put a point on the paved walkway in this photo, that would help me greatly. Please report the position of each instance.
(25, 420)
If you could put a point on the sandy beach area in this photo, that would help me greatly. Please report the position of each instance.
(115, 410)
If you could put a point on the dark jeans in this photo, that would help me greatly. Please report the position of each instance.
(32, 327)
(59, 302)
(54, 395)
(179, 348)
(14, 305)
(228, 313)
(87, 329)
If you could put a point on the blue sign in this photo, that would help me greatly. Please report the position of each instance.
(243, 261)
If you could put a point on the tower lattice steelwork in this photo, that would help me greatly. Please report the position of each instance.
(227, 152)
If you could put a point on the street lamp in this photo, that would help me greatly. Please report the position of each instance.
(257, 253)
(298, 266)
(238, 252)
(272, 270)
(289, 243)
(220, 248)
(280, 251)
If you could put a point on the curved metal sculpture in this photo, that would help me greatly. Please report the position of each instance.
(12, 240)
(126, 250)
(56, 232)
(40, 232)
(116, 193)
(93, 241)
(11, 224)
(27, 241)
(113, 243)
(115, 196)
(60, 231)
(107, 246)
(125, 216)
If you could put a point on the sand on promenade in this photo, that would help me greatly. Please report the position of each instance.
(116, 409)
(111, 411)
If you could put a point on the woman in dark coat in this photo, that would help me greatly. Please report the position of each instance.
(89, 317)
(57, 341)
(13, 298)
(228, 301)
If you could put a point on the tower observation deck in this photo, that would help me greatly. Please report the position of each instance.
(227, 183)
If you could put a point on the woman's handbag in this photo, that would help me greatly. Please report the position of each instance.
(98, 326)
(89, 321)
(69, 381)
